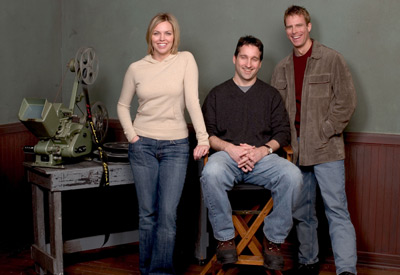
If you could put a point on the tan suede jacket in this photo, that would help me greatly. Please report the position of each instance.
(328, 102)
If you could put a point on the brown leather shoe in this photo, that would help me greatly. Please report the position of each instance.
(273, 258)
(226, 252)
(304, 269)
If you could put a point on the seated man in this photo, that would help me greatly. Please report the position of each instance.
(247, 122)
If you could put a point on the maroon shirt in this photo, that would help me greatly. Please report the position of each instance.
(300, 63)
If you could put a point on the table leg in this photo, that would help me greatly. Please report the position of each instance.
(39, 232)
(56, 240)
(48, 258)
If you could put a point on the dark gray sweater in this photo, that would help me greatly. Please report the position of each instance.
(254, 117)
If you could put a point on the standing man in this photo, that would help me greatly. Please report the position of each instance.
(247, 123)
(319, 95)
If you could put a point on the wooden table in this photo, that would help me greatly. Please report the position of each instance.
(52, 182)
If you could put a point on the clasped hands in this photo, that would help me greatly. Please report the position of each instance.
(246, 156)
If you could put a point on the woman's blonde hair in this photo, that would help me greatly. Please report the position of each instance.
(159, 18)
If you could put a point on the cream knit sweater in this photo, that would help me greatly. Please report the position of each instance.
(163, 90)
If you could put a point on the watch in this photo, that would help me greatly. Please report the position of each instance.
(270, 151)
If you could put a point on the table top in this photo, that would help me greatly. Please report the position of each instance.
(80, 175)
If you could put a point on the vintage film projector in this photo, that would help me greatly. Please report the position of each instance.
(63, 134)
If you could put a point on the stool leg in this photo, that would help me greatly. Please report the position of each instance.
(242, 228)
(209, 265)
(202, 236)
(256, 224)
(247, 234)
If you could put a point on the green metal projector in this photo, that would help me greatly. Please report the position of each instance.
(59, 136)
(61, 133)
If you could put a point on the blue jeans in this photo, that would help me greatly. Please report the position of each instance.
(159, 171)
(330, 177)
(272, 172)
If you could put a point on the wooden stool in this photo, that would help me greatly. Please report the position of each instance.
(246, 227)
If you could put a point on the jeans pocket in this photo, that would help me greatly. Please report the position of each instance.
(135, 148)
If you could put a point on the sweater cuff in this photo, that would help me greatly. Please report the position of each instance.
(130, 135)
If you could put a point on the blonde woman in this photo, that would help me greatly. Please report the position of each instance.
(165, 82)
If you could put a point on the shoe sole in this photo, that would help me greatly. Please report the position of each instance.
(273, 262)
(228, 260)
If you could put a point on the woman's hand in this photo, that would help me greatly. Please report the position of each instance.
(134, 139)
(200, 151)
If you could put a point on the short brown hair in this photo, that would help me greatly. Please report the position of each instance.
(297, 10)
(157, 19)
(250, 40)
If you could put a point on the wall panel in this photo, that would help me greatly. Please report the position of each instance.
(373, 190)
(15, 194)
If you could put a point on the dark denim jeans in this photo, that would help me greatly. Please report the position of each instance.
(159, 171)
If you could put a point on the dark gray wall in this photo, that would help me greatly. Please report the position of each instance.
(30, 50)
(39, 37)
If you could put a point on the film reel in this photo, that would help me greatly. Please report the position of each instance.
(100, 120)
(86, 65)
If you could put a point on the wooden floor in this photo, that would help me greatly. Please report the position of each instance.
(123, 260)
